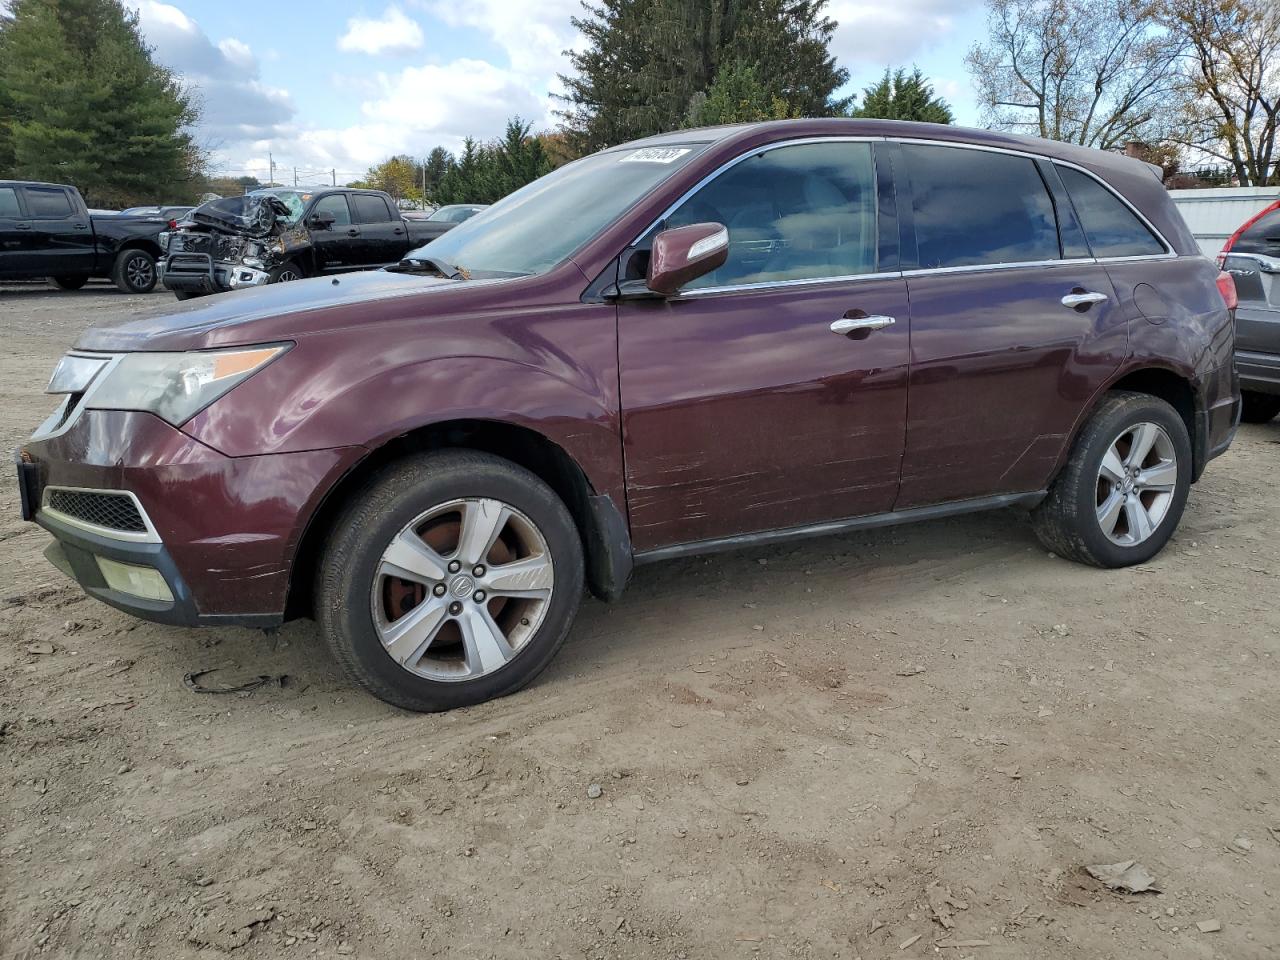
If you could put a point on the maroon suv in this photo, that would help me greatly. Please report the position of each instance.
(703, 340)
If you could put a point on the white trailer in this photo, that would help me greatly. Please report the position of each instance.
(1215, 214)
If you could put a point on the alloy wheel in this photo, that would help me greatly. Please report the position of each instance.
(287, 275)
(139, 271)
(462, 589)
(1136, 483)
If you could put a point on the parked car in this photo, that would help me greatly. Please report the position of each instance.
(276, 235)
(1252, 257)
(697, 342)
(46, 231)
(448, 217)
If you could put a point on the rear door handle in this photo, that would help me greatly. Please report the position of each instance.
(80, 226)
(1083, 299)
(846, 325)
(22, 226)
(353, 232)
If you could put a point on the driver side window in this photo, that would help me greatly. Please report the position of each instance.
(334, 205)
(803, 212)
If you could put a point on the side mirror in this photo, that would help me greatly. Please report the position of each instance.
(683, 254)
(321, 220)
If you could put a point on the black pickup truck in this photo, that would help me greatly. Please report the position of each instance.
(46, 231)
(276, 234)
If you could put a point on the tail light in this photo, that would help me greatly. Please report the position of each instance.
(1227, 287)
(1231, 241)
(173, 224)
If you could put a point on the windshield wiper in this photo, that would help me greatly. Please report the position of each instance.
(431, 265)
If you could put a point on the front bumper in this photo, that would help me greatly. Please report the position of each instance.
(200, 273)
(222, 532)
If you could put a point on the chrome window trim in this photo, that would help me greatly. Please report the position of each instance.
(47, 432)
(782, 284)
(1168, 254)
(150, 535)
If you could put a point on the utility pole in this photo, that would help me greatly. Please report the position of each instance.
(272, 164)
(295, 176)
(334, 173)
(424, 184)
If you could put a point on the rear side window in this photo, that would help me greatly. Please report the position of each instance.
(1263, 236)
(802, 212)
(370, 209)
(44, 203)
(9, 203)
(334, 205)
(976, 207)
(1112, 228)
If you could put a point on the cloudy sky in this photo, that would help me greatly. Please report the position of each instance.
(345, 84)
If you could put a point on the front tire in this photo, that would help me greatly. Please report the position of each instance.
(287, 272)
(1259, 407)
(134, 272)
(451, 579)
(1120, 496)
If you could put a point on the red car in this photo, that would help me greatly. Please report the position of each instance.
(704, 340)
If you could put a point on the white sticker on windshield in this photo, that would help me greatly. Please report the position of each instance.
(655, 155)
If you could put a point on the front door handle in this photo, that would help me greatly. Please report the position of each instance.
(1083, 298)
(353, 232)
(847, 325)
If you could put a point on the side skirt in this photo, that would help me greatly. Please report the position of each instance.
(933, 512)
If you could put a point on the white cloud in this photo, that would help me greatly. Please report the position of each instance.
(237, 105)
(394, 33)
(534, 36)
(884, 33)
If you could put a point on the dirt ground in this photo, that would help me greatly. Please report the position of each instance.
(899, 743)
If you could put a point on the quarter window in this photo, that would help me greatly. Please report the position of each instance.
(9, 203)
(977, 207)
(334, 205)
(1263, 236)
(46, 204)
(803, 212)
(1112, 228)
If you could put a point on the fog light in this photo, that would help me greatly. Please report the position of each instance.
(130, 578)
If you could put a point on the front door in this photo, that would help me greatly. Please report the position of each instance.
(1014, 325)
(743, 410)
(14, 232)
(337, 245)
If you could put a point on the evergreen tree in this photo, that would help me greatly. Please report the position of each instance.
(83, 102)
(645, 61)
(736, 96)
(438, 162)
(899, 95)
(485, 173)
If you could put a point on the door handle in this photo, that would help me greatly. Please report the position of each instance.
(80, 226)
(353, 232)
(398, 231)
(846, 325)
(22, 226)
(1082, 299)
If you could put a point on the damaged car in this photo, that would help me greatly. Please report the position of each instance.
(277, 235)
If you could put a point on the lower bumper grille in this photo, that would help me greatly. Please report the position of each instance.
(111, 511)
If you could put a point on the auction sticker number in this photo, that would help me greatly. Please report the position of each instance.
(655, 155)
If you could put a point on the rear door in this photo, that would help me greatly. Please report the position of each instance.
(1014, 324)
(14, 231)
(61, 238)
(382, 232)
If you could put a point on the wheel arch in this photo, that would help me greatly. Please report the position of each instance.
(138, 243)
(601, 523)
(1163, 382)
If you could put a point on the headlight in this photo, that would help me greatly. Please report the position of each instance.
(177, 386)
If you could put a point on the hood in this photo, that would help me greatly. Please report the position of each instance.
(241, 316)
(253, 215)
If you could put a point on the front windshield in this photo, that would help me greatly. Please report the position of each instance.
(540, 224)
(292, 199)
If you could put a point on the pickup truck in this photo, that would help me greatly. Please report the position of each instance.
(275, 235)
(46, 231)
(1252, 257)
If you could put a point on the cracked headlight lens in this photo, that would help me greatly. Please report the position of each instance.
(177, 386)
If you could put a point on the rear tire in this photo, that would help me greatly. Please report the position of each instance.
(71, 283)
(429, 613)
(1259, 407)
(1122, 492)
(134, 271)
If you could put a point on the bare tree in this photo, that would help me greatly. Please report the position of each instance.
(1233, 69)
(1094, 72)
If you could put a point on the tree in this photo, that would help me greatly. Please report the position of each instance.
(644, 62)
(488, 172)
(1094, 72)
(899, 95)
(737, 95)
(1233, 71)
(396, 175)
(432, 171)
(83, 102)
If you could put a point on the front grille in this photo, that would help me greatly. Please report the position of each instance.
(114, 511)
